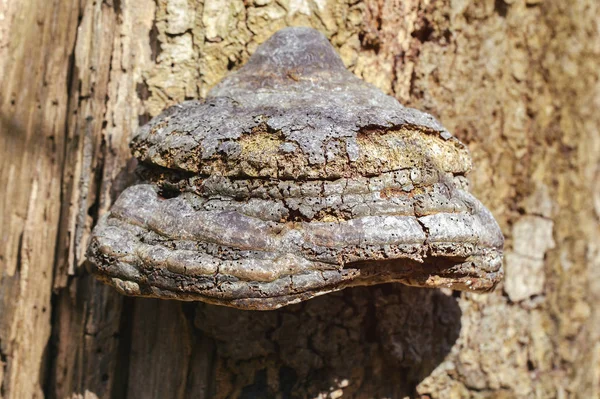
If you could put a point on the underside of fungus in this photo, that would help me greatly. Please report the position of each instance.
(294, 178)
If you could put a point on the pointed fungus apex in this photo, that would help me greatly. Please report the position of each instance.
(294, 178)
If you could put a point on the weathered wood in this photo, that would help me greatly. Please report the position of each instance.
(112, 46)
(518, 81)
(160, 350)
(36, 45)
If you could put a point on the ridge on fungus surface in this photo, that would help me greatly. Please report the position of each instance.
(175, 248)
(293, 179)
(295, 98)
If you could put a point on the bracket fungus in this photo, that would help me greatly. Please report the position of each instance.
(292, 179)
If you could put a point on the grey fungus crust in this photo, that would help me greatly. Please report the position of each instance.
(294, 178)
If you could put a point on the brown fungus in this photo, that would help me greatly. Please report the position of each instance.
(292, 179)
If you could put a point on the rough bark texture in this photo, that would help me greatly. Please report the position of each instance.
(518, 81)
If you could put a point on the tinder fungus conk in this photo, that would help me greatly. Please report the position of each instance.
(295, 178)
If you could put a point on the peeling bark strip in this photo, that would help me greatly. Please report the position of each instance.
(293, 113)
(516, 81)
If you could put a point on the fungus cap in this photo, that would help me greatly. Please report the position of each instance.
(292, 179)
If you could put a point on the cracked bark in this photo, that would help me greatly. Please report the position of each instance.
(517, 81)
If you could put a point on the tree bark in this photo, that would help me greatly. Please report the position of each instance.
(517, 81)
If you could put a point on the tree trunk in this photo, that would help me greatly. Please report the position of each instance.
(518, 81)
